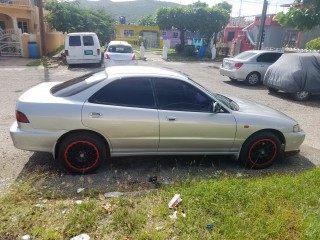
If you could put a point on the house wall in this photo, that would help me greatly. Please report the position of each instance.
(274, 36)
(121, 33)
(309, 35)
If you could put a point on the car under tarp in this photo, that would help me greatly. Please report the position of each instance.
(295, 72)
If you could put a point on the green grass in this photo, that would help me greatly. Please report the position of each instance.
(37, 63)
(271, 207)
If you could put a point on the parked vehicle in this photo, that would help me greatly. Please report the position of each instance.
(82, 47)
(119, 53)
(295, 73)
(136, 110)
(249, 66)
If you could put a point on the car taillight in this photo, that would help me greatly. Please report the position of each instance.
(66, 52)
(21, 117)
(98, 51)
(238, 65)
(107, 56)
(134, 57)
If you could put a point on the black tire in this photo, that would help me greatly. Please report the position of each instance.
(301, 96)
(273, 90)
(82, 153)
(260, 150)
(253, 79)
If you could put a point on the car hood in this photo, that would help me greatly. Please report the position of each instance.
(255, 110)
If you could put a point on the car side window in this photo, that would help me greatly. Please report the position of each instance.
(177, 95)
(88, 41)
(268, 57)
(130, 92)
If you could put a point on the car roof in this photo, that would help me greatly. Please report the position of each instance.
(81, 33)
(143, 70)
(264, 51)
(119, 43)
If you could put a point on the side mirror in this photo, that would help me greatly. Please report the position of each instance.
(216, 107)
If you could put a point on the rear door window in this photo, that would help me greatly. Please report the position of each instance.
(88, 41)
(74, 41)
(269, 57)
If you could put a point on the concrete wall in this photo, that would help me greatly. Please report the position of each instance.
(53, 41)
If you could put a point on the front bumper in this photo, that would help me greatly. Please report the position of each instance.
(293, 141)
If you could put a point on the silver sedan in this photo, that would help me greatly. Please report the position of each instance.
(135, 110)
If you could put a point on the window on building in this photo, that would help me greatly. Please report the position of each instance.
(175, 35)
(230, 36)
(164, 33)
(23, 25)
(128, 33)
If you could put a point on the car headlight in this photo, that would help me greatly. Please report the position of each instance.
(296, 128)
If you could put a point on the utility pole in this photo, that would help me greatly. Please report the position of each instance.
(42, 32)
(262, 23)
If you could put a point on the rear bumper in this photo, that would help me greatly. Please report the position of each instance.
(83, 61)
(233, 73)
(109, 63)
(34, 140)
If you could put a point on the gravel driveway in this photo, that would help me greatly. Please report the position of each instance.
(134, 172)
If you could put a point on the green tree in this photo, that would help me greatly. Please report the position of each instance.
(303, 15)
(70, 17)
(149, 20)
(196, 19)
(313, 44)
(224, 6)
(199, 4)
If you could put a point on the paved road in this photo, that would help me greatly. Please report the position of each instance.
(14, 163)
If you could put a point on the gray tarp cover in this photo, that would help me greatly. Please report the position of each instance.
(295, 72)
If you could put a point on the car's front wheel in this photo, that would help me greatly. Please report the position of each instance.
(82, 152)
(301, 96)
(260, 150)
(253, 79)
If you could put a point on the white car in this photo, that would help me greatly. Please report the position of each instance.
(119, 53)
(249, 66)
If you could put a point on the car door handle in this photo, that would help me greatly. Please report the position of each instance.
(95, 115)
(171, 118)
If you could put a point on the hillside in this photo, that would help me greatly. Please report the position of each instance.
(132, 10)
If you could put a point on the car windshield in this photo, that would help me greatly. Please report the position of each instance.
(120, 49)
(223, 99)
(78, 84)
(245, 55)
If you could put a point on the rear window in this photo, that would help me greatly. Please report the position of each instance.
(88, 41)
(245, 55)
(77, 85)
(120, 49)
(74, 41)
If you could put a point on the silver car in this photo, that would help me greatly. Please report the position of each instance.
(119, 53)
(249, 66)
(135, 110)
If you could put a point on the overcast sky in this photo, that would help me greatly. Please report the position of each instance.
(240, 7)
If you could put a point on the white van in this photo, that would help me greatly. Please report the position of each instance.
(82, 47)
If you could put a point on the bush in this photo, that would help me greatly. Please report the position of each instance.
(189, 51)
(314, 44)
(178, 48)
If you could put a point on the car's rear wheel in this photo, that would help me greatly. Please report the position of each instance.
(260, 150)
(82, 152)
(273, 90)
(301, 96)
(253, 78)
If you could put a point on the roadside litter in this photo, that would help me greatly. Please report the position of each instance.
(113, 194)
(175, 201)
(82, 236)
